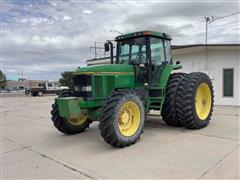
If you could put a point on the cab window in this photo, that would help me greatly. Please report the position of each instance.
(132, 51)
(124, 53)
(157, 51)
(168, 50)
(49, 85)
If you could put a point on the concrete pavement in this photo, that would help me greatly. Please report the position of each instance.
(33, 148)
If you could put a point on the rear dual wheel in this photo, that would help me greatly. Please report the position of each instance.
(189, 100)
(195, 100)
(169, 114)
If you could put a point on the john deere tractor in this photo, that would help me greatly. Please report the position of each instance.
(121, 94)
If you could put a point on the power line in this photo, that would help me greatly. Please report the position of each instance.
(223, 17)
(210, 20)
(217, 18)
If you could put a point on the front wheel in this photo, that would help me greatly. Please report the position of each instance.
(122, 118)
(69, 126)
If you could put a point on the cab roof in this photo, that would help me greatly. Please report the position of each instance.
(144, 33)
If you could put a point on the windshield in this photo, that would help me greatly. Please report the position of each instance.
(132, 51)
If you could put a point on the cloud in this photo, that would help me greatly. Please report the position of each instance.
(87, 12)
(66, 18)
(44, 38)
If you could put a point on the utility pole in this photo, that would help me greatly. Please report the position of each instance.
(95, 47)
(208, 20)
(22, 75)
(95, 50)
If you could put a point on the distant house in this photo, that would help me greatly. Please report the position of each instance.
(220, 61)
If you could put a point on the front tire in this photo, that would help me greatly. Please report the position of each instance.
(68, 126)
(195, 100)
(122, 118)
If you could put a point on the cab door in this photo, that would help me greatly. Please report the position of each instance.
(157, 59)
(50, 86)
(160, 51)
(133, 51)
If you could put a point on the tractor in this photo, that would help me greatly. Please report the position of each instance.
(121, 94)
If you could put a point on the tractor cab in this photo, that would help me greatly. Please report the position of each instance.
(150, 54)
(149, 51)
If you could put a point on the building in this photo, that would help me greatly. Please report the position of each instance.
(220, 61)
(22, 85)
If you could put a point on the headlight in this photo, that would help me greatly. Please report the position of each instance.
(77, 88)
(87, 88)
(83, 88)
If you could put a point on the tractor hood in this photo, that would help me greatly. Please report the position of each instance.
(106, 69)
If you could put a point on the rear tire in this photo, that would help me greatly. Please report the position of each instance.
(111, 123)
(63, 124)
(169, 107)
(195, 100)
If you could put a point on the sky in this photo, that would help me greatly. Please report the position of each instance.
(42, 38)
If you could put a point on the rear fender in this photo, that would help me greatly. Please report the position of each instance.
(166, 73)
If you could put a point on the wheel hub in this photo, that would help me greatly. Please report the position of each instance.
(78, 121)
(125, 118)
(203, 100)
(129, 118)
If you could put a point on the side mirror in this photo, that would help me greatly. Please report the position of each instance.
(106, 47)
(177, 62)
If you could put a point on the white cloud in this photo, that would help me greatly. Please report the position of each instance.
(66, 18)
(87, 12)
(36, 21)
(53, 4)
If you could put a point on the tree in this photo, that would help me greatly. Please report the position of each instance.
(66, 79)
(3, 80)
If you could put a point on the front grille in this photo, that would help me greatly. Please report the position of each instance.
(82, 84)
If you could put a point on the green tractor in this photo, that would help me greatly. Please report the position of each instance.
(120, 95)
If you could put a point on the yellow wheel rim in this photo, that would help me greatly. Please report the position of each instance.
(129, 118)
(203, 101)
(78, 121)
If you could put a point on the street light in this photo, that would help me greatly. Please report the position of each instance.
(208, 20)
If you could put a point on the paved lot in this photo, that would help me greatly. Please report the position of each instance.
(33, 148)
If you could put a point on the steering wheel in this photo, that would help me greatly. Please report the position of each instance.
(140, 58)
(134, 61)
